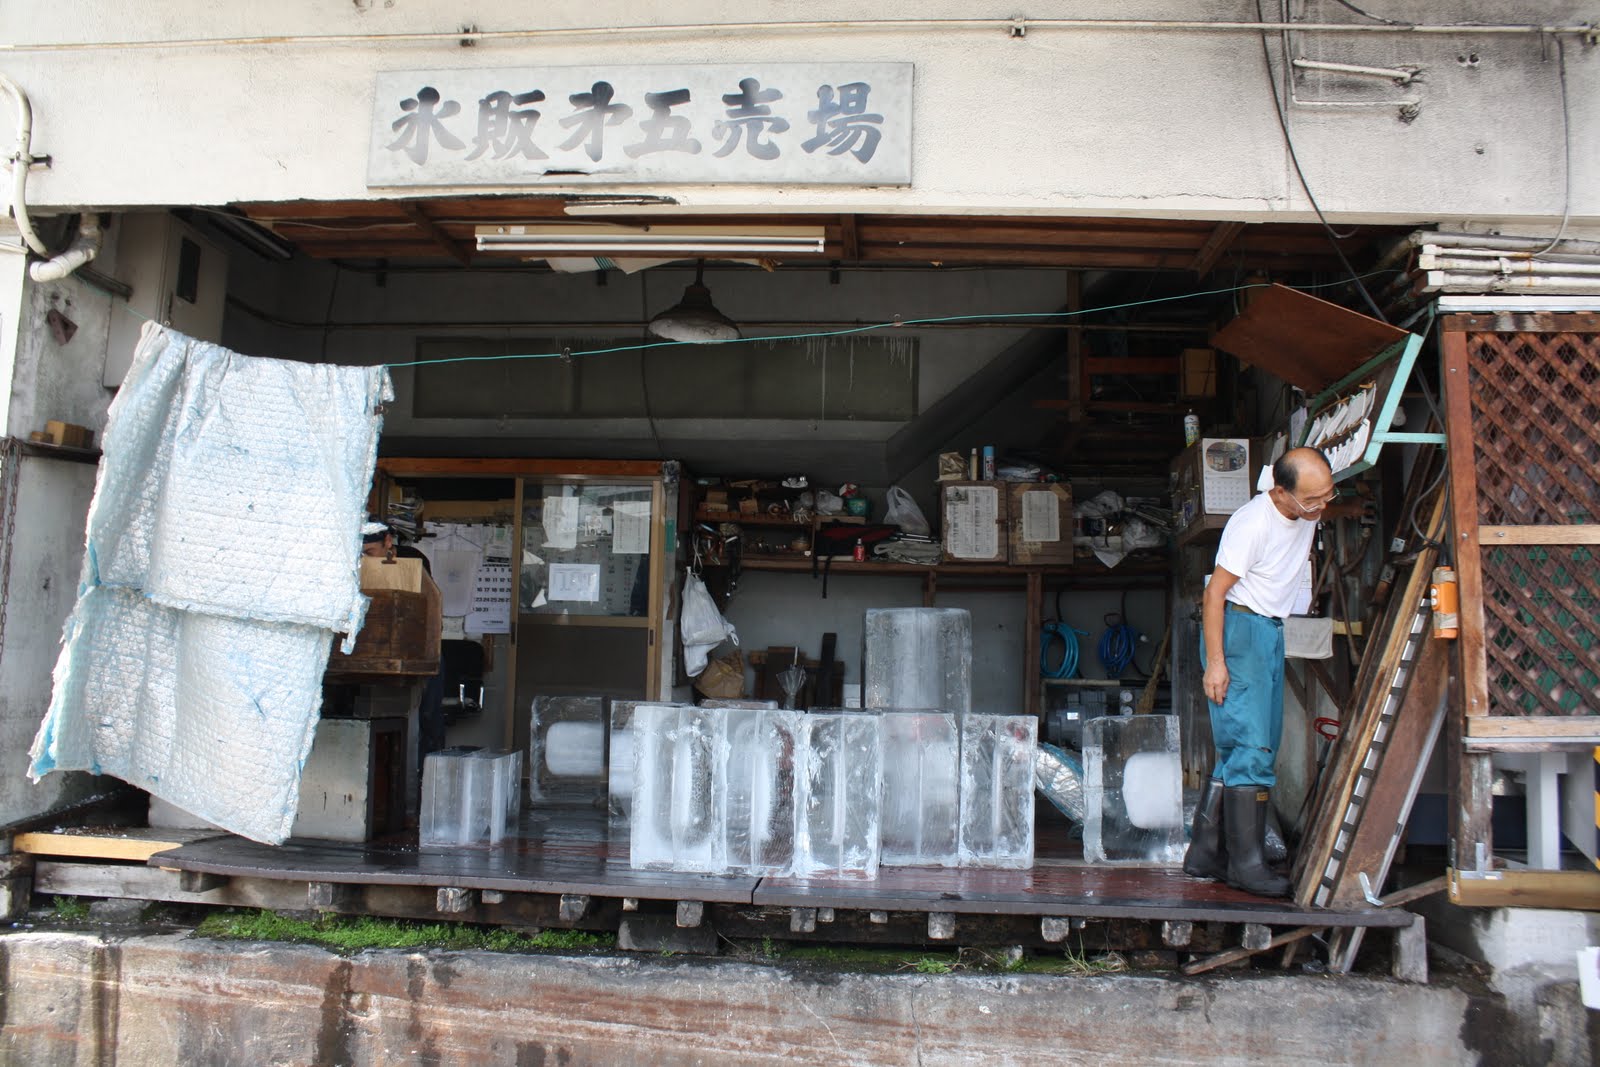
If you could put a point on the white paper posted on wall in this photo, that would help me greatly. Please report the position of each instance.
(971, 522)
(491, 600)
(1041, 516)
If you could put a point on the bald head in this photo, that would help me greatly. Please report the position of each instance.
(1305, 470)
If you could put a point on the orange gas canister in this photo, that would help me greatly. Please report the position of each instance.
(1446, 601)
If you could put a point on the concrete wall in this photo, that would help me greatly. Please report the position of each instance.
(45, 555)
(1056, 121)
(173, 999)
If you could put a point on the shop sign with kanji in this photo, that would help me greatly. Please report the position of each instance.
(791, 123)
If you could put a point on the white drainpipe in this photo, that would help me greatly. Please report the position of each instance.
(87, 244)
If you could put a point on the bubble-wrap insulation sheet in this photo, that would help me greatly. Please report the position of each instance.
(212, 705)
(236, 485)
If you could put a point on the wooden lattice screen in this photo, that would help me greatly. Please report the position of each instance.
(1523, 414)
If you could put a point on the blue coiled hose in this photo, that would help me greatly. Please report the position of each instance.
(1116, 647)
(1068, 636)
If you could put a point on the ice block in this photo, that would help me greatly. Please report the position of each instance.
(619, 769)
(654, 731)
(699, 790)
(921, 789)
(567, 750)
(841, 796)
(469, 796)
(1133, 790)
(918, 658)
(762, 790)
(997, 757)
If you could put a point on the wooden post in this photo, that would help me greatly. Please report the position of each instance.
(1033, 608)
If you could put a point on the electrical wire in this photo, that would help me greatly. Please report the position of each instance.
(1050, 633)
(1347, 5)
(1566, 152)
(1294, 158)
(896, 323)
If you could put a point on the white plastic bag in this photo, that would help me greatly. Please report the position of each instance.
(701, 624)
(904, 513)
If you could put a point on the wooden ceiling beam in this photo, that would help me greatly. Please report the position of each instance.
(1217, 244)
(455, 249)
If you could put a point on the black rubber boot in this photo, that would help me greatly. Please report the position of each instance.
(1244, 821)
(1207, 856)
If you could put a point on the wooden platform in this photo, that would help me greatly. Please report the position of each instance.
(569, 853)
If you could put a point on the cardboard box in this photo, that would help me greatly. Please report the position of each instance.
(67, 434)
(1040, 523)
(404, 624)
(974, 515)
(1199, 370)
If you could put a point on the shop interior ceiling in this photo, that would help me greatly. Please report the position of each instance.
(1140, 258)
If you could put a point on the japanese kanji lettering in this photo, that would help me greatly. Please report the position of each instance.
(842, 122)
(424, 122)
(749, 116)
(664, 131)
(506, 131)
(595, 112)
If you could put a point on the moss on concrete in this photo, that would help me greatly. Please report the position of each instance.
(364, 932)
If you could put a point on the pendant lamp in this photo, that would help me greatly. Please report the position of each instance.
(694, 319)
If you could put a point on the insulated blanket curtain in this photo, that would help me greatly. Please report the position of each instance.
(223, 553)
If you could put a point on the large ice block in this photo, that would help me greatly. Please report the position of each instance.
(699, 790)
(469, 796)
(997, 756)
(762, 790)
(921, 789)
(654, 731)
(567, 750)
(841, 796)
(1133, 790)
(619, 763)
(918, 658)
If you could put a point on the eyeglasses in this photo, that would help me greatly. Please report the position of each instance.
(1311, 509)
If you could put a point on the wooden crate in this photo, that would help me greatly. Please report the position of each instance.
(975, 520)
(403, 628)
(1044, 511)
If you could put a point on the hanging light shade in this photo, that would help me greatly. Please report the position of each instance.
(694, 319)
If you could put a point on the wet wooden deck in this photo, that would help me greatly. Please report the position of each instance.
(568, 852)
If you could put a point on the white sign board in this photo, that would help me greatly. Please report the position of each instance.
(817, 123)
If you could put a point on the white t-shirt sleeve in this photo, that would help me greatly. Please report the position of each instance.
(1240, 547)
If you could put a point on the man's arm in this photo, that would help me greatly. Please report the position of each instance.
(1212, 606)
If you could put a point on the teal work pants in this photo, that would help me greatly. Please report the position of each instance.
(1247, 726)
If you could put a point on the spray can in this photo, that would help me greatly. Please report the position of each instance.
(1191, 429)
(1446, 600)
(988, 463)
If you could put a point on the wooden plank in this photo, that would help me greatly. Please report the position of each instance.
(1308, 342)
(1539, 535)
(1032, 610)
(136, 844)
(1567, 890)
(1464, 519)
(849, 239)
(1579, 729)
(1532, 322)
(1469, 784)
(509, 702)
(1233, 955)
(472, 467)
(1164, 365)
(452, 247)
(1390, 792)
(1217, 244)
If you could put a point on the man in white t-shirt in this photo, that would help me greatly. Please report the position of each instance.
(1259, 562)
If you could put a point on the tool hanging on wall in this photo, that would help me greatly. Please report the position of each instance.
(1444, 597)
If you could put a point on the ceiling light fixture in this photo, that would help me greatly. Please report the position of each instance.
(694, 319)
(596, 239)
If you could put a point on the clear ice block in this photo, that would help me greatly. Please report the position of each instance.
(1133, 790)
(654, 730)
(918, 658)
(469, 796)
(719, 702)
(921, 789)
(619, 770)
(762, 790)
(997, 756)
(567, 749)
(700, 790)
(841, 796)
